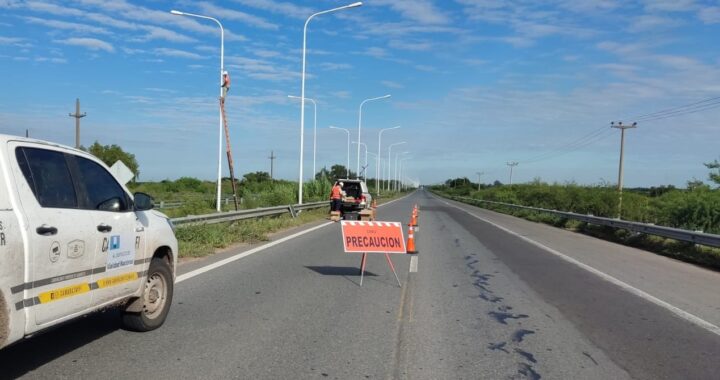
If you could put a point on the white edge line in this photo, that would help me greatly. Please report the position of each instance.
(218, 264)
(249, 252)
(627, 287)
(413, 264)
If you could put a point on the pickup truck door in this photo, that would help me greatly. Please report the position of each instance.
(60, 236)
(119, 258)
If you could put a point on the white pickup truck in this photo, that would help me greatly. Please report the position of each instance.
(74, 240)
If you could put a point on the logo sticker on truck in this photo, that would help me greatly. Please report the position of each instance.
(119, 258)
(75, 249)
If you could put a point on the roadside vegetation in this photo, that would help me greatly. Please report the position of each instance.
(695, 208)
(190, 196)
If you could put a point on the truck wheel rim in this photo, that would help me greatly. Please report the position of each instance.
(155, 295)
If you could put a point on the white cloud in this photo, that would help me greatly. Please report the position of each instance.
(230, 14)
(330, 66)
(283, 8)
(10, 40)
(88, 43)
(376, 52)
(261, 69)
(168, 52)
(391, 84)
(652, 23)
(710, 15)
(422, 11)
(341, 94)
(57, 24)
(670, 5)
(412, 46)
(156, 33)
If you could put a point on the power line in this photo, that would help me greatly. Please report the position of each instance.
(573, 145)
(701, 103)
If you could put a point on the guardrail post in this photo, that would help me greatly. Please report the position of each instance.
(162, 204)
(293, 212)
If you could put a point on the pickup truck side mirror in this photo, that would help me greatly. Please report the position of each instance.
(143, 202)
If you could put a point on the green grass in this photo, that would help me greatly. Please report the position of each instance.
(202, 240)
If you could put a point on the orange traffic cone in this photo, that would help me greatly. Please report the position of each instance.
(411, 241)
(413, 220)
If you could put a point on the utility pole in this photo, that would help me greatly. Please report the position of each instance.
(272, 159)
(77, 115)
(512, 164)
(622, 129)
(479, 174)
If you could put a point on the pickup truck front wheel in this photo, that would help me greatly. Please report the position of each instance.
(156, 298)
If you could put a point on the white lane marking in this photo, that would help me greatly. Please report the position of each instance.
(627, 287)
(414, 264)
(218, 264)
(249, 252)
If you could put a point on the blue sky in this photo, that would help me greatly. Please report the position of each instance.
(474, 83)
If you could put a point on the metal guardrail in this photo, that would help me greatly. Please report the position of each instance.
(701, 238)
(164, 205)
(221, 217)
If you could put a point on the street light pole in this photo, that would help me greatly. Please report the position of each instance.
(347, 169)
(401, 173)
(377, 169)
(222, 68)
(366, 156)
(302, 92)
(314, 129)
(397, 155)
(389, 163)
(360, 125)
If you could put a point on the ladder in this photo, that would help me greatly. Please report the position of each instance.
(229, 152)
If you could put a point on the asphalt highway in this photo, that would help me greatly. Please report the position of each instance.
(493, 297)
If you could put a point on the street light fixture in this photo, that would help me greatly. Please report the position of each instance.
(377, 169)
(314, 128)
(389, 163)
(360, 124)
(222, 68)
(302, 92)
(347, 169)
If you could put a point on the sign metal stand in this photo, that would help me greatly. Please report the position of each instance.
(373, 237)
(363, 261)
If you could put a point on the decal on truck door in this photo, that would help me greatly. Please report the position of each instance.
(119, 256)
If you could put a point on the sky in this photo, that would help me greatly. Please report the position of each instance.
(474, 84)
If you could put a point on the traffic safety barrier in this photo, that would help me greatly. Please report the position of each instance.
(411, 241)
(699, 238)
(220, 217)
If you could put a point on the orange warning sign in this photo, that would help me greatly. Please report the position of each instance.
(381, 237)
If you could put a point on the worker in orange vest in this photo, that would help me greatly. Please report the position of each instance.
(336, 196)
(225, 83)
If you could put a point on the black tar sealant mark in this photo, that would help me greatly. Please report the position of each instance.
(528, 371)
(519, 335)
(503, 317)
(526, 355)
(498, 347)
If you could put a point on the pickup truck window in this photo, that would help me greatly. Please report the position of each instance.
(101, 189)
(47, 173)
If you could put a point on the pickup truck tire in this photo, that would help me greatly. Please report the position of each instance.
(156, 298)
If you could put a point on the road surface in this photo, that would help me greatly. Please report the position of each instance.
(494, 297)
